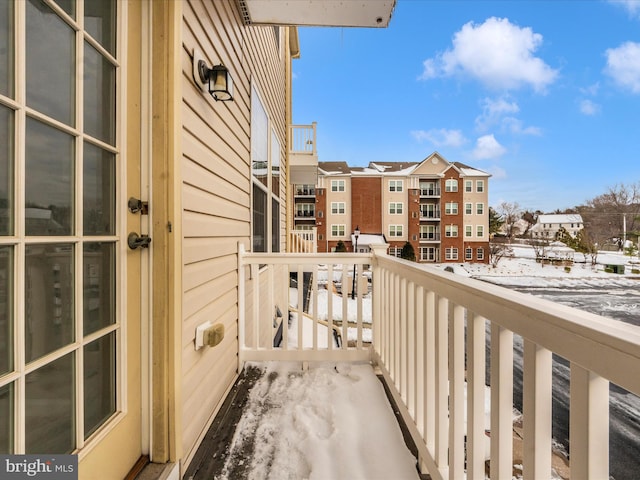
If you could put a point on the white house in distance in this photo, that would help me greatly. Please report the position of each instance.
(548, 226)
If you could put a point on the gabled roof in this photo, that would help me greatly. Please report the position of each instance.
(467, 171)
(334, 167)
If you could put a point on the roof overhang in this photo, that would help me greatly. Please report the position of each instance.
(325, 13)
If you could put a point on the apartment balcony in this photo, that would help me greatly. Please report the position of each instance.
(305, 215)
(429, 237)
(303, 241)
(430, 192)
(430, 215)
(428, 332)
(304, 192)
(303, 155)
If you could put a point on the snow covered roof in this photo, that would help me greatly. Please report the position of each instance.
(560, 218)
(368, 239)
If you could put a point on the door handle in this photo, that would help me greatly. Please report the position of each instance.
(134, 241)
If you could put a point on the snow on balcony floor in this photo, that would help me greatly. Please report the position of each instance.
(329, 422)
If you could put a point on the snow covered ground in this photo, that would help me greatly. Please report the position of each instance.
(311, 425)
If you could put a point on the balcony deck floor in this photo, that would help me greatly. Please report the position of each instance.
(224, 453)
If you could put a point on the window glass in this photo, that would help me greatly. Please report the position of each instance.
(6, 419)
(49, 408)
(99, 382)
(98, 193)
(480, 208)
(468, 185)
(468, 208)
(259, 140)
(479, 186)
(6, 310)
(468, 231)
(49, 298)
(100, 21)
(49, 185)
(259, 219)
(98, 272)
(50, 49)
(69, 6)
(6, 171)
(480, 231)
(275, 225)
(6, 47)
(275, 163)
(99, 95)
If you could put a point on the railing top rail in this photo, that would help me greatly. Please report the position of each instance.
(306, 258)
(607, 347)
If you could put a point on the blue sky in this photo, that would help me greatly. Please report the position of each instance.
(544, 95)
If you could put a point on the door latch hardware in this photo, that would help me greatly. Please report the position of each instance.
(134, 241)
(136, 205)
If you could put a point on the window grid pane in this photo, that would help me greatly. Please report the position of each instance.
(6, 171)
(6, 311)
(6, 418)
(99, 382)
(6, 48)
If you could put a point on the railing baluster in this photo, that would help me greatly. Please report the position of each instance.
(588, 425)
(476, 364)
(285, 324)
(501, 402)
(300, 308)
(345, 308)
(411, 350)
(359, 307)
(255, 285)
(537, 411)
(403, 331)
(430, 371)
(314, 292)
(272, 305)
(420, 347)
(330, 305)
(396, 331)
(442, 388)
(456, 391)
(386, 331)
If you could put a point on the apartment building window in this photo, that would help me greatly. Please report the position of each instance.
(305, 209)
(337, 208)
(305, 190)
(468, 230)
(451, 208)
(337, 185)
(480, 208)
(429, 232)
(395, 185)
(395, 251)
(479, 231)
(479, 186)
(480, 254)
(337, 230)
(468, 253)
(395, 230)
(468, 186)
(451, 253)
(265, 166)
(468, 208)
(451, 185)
(451, 230)
(429, 254)
(395, 208)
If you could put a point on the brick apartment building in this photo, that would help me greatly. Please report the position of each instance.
(440, 207)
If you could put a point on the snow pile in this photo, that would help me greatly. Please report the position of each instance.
(311, 425)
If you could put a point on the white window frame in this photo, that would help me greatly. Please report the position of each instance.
(337, 208)
(396, 208)
(480, 253)
(451, 185)
(468, 253)
(338, 230)
(451, 230)
(337, 185)
(395, 231)
(480, 208)
(479, 186)
(479, 231)
(468, 186)
(451, 208)
(396, 185)
(468, 230)
(451, 253)
(468, 208)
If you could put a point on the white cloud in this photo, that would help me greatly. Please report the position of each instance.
(631, 6)
(587, 107)
(497, 53)
(591, 90)
(493, 111)
(623, 65)
(514, 125)
(488, 147)
(440, 137)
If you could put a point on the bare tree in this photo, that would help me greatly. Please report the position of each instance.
(497, 251)
(540, 247)
(510, 213)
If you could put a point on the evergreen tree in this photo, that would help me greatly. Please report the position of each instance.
(341, 247)
(408, 253)
(495, 221)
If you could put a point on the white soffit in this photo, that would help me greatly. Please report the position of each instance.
(329, 13)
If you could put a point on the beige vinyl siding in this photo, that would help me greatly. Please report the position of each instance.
(216, 194)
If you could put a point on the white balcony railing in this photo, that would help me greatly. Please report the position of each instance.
(424, 324)
(303, 241)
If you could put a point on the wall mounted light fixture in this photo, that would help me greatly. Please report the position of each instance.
(216, 80)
